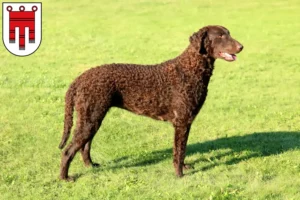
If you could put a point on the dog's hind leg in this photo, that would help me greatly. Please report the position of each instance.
(86, 127)
(86, 155)
(79, 140)
(83, 134)
(97, 116)
(86, 149)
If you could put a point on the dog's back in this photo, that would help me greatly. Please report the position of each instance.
(144, 90)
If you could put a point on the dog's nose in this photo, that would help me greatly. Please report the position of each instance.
(240, 47)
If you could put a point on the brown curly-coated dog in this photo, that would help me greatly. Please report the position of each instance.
(172, 91)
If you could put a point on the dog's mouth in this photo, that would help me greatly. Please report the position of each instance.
(227, 56)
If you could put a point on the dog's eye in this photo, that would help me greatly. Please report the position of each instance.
(220, 36)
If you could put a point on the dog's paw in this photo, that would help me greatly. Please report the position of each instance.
(179, 175)
(96, 165)
(186, 167)
(68, 179)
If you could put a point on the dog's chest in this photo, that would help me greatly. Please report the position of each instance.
(191, 91)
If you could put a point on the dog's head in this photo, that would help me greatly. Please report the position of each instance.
(216, 42)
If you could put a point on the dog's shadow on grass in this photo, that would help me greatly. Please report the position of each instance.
(237, 149)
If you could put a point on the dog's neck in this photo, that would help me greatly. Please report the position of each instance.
(191, 60)
(191, 63)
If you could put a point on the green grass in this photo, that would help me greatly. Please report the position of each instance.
(245, 143)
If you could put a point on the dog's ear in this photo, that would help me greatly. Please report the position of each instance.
(199, 41)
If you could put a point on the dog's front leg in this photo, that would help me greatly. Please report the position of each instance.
(180, 140)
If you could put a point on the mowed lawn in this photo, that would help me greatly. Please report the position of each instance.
(244, 144)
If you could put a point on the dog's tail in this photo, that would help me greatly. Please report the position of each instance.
(69, 109)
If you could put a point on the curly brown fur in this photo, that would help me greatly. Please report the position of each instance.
(172, 91)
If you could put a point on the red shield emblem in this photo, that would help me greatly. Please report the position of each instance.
(22, 27)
